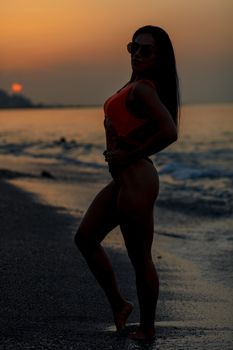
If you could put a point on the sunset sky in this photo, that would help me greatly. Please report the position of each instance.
(71, 51)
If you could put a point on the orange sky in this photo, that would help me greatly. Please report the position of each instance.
(53, 37)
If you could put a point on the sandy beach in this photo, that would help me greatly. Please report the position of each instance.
(49, 299)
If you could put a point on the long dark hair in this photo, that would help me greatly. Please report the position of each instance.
(164, 73)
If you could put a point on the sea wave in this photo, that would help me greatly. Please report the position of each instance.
(181, 171)
(199, 183)
(63, 151)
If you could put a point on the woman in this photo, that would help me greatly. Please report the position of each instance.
(140, 119)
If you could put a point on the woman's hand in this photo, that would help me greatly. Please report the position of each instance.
(117, 157)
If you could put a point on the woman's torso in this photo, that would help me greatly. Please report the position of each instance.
(125, 129)
(115, 109)
(126, 124)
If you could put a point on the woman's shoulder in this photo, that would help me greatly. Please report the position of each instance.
(144, 89)
(144, 86)
(147, 82)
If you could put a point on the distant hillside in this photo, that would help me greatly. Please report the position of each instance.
(14, 101)
(20, 101)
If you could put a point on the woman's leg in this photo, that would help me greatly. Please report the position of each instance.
(135, 206)
(100, 218)
(147, 281)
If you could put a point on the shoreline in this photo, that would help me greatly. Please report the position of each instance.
(50, 299)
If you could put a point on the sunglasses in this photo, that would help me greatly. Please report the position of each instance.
(145, 50)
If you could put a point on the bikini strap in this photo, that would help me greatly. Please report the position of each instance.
(150, 82)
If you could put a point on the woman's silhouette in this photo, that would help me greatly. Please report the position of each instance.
(140, 119)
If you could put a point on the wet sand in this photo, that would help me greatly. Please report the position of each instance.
(49, 299)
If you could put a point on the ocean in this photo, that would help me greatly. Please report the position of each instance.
(53, 152)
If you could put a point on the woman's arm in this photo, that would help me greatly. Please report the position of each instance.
(166, 131)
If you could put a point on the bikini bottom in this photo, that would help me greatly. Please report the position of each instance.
(115, 171)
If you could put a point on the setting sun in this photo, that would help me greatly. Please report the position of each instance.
(16, 87)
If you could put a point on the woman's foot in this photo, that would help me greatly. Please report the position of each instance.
(121, 315)
(143, 334)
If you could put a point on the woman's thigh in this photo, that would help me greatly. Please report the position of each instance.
(139, 188)
(101, 216)
(135, 203)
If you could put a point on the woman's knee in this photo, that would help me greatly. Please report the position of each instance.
(81, 241)
(141, 261)
(85, 241)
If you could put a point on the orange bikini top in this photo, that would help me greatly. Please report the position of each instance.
(115, 109)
